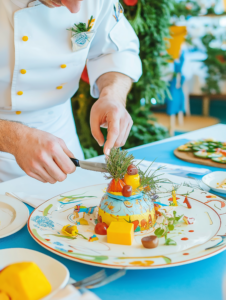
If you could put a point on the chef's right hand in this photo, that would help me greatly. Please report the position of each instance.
(43, 156)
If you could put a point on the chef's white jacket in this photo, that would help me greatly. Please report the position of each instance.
(39, 71)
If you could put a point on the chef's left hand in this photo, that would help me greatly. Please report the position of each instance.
(110, 113)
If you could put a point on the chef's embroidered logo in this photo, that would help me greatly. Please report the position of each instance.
(82, 34)
(118, 11)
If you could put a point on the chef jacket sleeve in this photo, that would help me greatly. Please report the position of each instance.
(115, 48)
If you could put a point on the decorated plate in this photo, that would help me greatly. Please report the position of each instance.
(13, 215)
(199, 234)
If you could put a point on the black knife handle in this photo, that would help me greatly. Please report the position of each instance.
(75, 161)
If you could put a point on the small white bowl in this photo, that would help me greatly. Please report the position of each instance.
(214, 178)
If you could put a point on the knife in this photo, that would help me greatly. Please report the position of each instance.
(88, 165)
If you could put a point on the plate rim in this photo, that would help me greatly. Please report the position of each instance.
(220, 191)
(21, 205)
(63, 284)
(92, 263)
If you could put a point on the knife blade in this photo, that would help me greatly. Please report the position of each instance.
(91, 166)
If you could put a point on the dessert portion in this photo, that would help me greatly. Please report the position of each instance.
(129, 206)
(23, 280)
(128, 198)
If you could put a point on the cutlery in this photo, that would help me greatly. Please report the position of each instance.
(97, 280)
(108, 279)
(91, 166)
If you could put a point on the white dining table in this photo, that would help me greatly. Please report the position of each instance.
(200, 280)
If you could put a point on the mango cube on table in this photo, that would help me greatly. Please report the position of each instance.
(24, 281)
(120, 233)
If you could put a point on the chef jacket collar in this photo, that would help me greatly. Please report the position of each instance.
(25, 3)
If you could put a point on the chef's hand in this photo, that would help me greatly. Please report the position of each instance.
(109, 111)
(42, 155)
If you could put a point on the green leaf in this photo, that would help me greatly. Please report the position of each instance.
(170, 242)
(171, 227)
(159, 232)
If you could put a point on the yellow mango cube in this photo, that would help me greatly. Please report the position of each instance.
(24, 281)
(120, 233)
(4, 296)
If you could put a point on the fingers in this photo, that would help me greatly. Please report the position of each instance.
(63, 161)
(65, 148)
(52, 166)
(130, 124)
(120, 134)
(54, 172)
(113, 133)
(95, 128)
(40, 174)
(36, 176)
(125, 126)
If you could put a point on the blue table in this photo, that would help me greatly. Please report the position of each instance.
(195, 281)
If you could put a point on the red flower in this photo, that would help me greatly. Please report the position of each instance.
(85, 76)
(130, 2)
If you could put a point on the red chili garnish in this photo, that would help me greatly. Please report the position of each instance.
(184, 239)
(47, 240)
(185, 253)
(187, 202)
(70, 250)
(191, 231)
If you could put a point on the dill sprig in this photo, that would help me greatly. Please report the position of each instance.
(149, 180)
(81, 27)
(117, 163)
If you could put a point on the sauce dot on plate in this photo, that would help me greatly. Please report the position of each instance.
(191, 231)
(184, 239)
(185, 253)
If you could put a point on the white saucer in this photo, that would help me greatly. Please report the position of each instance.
(13, 215)
(56, 273)
(214, 178)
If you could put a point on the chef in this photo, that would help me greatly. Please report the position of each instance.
(44, 47)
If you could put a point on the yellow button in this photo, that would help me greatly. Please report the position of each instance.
(20, 93)
(18, 112)
(63, 66)
(23, 71)
(25, 38)
(59, 87)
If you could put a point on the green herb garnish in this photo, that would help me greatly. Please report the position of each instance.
(165, 229)
(117, 163)
(81, 27)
